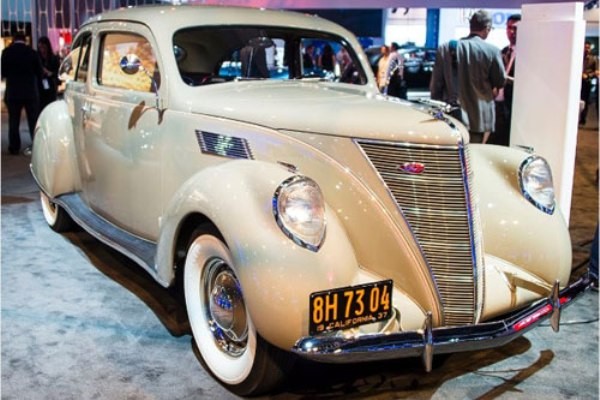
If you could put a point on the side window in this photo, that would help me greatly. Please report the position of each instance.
(75, 65)
(84, 60)
(114, 47)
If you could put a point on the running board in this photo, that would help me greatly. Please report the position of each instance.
(140, 250)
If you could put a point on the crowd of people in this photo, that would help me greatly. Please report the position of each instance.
(589, 73)
(476, 79)
(31, 84)
(327, 59)
(468, 74)
(390, 72)
(473, 76)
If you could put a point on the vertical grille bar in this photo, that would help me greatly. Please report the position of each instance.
(428, 184)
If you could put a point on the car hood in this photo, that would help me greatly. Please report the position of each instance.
(323, 108)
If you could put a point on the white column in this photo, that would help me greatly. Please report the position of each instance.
(547, 88)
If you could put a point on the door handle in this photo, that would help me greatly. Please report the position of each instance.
(86, 109)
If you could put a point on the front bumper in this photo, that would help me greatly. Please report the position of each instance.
(429, 341)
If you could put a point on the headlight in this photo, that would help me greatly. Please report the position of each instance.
(536, 183)
(299, 210)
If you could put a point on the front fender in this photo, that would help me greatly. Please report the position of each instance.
(516, 235)
(276, 274)
(54, 160)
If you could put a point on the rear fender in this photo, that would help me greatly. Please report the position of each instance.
(54, 160)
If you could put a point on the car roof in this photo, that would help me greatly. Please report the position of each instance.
(170, 18)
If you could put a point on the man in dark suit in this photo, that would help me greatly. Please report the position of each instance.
(22, 69)
(504, 99)
(467, 74)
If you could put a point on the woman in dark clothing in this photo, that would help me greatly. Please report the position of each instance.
(327, 59)
(50, 64)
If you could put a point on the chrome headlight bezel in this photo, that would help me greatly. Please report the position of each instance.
(535, 181)
(302, 197)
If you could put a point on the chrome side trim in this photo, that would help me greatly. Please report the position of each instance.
(386, 346)
(224, 145)
(556, 307)
(476, 240)
(140, 250)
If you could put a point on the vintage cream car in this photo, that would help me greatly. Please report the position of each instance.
(300, 212)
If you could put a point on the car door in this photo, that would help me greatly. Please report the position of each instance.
(74, 72)
(122, 140)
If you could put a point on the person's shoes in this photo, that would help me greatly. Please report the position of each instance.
(27, 151)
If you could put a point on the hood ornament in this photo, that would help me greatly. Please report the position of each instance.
(413, 168)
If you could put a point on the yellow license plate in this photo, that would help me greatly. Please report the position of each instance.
(344, 308)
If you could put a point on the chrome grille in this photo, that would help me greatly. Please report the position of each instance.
(434, 202)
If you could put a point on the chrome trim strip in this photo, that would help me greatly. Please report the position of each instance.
(140, 250)
(556, 306)
(386, 346)
(476, 247)
(413, 145)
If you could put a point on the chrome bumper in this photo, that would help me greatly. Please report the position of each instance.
(429, 341)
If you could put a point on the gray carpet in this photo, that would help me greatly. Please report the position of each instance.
(79, 321)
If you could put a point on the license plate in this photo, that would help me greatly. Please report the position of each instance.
(344, 308)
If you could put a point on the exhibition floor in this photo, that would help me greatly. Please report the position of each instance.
(80, 321)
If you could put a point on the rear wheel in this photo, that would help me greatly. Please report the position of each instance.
(224, 335)
(56, 217)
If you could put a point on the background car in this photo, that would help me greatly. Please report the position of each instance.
(418, 64)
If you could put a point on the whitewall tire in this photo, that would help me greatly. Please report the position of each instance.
(56, 217)
(222, 329)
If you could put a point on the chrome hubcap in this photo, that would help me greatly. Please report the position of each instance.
(224, 307)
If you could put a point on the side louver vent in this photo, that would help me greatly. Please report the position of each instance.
(223, 145)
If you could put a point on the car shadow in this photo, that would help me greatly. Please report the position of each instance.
(402, 378)
(405, 378)
(165, 303)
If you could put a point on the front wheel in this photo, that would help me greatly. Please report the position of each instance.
(224, 335)
(56, 217)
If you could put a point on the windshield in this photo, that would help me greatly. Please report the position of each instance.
(208, 55)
